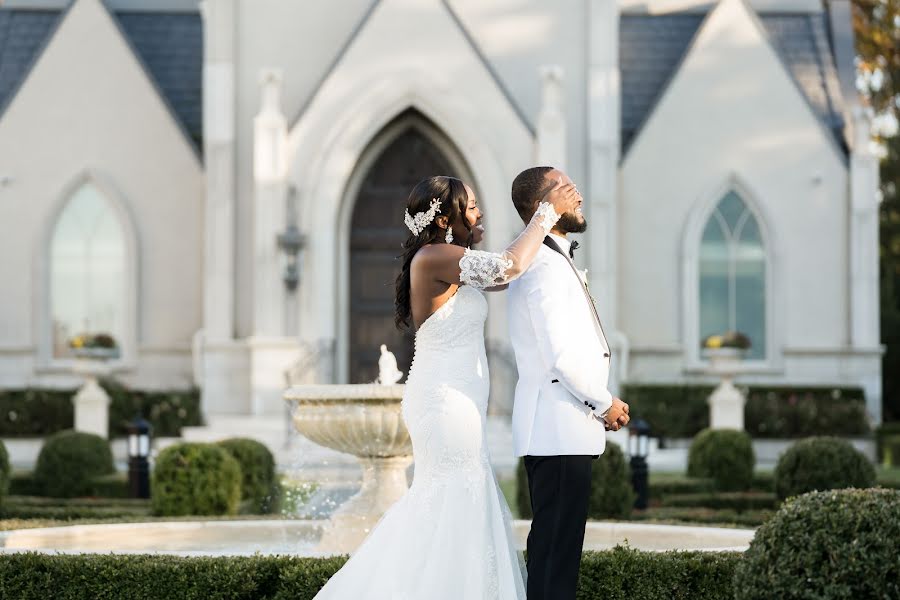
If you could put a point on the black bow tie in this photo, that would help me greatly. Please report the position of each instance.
(572, 248)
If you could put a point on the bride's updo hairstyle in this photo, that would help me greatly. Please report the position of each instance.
(453, 197)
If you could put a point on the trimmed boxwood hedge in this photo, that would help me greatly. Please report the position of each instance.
(260, 488)
(887, 438)
(195, 479)
(681, 411)
(36, 412)
(113, 485)
(829, 545)
(5, 471)
(610, 575)
(69, 461)
(822, 463)
(724, 456)
(737, 501)
(612, 496)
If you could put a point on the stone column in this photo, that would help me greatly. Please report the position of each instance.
(864, 252)
(272, 352)
(550, 143)
(222, 359)
(603, 89)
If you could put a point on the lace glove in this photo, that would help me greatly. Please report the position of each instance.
(480, 269)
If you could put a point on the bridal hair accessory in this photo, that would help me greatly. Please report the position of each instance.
(449, 237)
(418, 223)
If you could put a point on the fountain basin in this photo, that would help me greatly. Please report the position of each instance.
(302, 537)
(362, 420)
(365, 421)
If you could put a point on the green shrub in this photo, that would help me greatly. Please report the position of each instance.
(195, 479)
(5, 472)
(737, 501)
(611, 494)
(802, 412)
(36, 412)
(67, 509)
(725, 456)
(69, 461)
(680, 411)
(618, 573)
(821, 463)
(259, 485)
(887, 438)
(826, 545)
(675, 411)
(112, 485)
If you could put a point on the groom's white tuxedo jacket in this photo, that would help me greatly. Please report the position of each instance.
(562, 357)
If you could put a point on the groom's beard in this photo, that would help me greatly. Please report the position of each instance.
(572, 223)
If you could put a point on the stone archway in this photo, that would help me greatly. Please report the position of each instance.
(407, 151)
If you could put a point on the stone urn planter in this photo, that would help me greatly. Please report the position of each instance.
(91, 401)
(726, 403)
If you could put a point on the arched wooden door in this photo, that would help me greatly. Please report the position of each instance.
(376, 234)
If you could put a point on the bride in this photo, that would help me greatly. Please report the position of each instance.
(449, 537)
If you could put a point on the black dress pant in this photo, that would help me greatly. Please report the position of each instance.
(560, 488)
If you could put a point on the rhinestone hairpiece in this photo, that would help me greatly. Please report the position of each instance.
(421, 220)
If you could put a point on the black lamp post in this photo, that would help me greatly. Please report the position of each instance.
(138, 457)
(638, 448)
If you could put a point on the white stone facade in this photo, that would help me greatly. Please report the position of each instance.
(300, 96)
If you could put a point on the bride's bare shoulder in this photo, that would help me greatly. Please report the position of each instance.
(435, 255)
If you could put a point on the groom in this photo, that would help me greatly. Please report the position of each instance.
(562, 407)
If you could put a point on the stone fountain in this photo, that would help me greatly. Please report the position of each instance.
(363, 420)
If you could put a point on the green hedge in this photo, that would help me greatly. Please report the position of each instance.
(36, 412)
(260, 488)
(114, 485)
(724, 456)
(5, 472)
(680, 411)
(737, 501)
(32, 507)
(887, 438)
(69, 461)
(829, 545)
(611, 494)
(195, 479)
(609, 575)
(822, 463)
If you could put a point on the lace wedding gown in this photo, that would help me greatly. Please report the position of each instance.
(450, 536)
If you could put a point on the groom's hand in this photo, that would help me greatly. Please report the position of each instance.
(618, 416)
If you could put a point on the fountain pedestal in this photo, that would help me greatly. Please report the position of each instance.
(365, 421)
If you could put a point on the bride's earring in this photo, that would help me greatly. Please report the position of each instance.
(449, 237)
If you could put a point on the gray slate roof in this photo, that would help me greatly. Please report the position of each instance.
(169, 45)
(23, 34)
(651, 47)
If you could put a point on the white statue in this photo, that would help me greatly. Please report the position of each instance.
(388, 374)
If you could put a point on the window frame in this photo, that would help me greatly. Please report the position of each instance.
(703, 211)
(43, 313)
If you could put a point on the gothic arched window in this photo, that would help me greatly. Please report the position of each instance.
(88, 257)
(733, 275)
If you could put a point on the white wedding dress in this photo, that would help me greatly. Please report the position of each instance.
(450, 536)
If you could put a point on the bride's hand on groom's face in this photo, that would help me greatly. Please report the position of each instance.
(564, 197)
